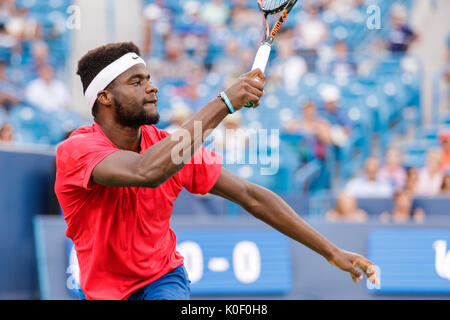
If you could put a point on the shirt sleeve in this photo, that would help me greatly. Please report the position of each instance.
(77, 157)
(200, 174)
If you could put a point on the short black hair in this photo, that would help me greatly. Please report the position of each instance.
(97, 59)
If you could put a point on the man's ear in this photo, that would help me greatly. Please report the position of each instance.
(105, 97)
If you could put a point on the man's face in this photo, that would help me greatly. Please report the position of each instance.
(331, 106)
(134, 98)
(371, 169)
(445, 142)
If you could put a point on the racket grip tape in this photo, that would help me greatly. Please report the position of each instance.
(261, 58)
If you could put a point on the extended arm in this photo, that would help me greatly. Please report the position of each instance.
(156, 165)
(270, 208)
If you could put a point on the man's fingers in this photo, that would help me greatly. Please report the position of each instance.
(254, 99)
(256, 74)
(356, 275)
(256, 84)
(255, 91)
(369, 269)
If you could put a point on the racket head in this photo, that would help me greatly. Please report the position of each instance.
(272, 6)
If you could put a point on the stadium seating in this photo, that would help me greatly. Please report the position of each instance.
(382, 102)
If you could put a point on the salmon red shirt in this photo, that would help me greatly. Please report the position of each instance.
(122, 235)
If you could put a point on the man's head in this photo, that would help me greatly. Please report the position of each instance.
(371, 167)
(403, 200)
(46, 73)
(444, 138)
(130, 98)
(309, 111)
(330, 95)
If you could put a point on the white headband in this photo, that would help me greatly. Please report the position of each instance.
(109, 73)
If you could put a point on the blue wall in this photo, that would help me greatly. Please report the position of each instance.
(25, 187)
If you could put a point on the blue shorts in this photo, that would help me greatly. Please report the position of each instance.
(174, 285)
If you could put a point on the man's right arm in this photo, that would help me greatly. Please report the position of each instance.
(155, 165)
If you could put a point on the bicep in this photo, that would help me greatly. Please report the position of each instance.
(119, 169)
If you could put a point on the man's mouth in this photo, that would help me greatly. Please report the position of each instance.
(151, 101)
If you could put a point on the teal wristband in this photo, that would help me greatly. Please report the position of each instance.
(227, 101)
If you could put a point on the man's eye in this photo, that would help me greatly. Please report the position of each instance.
(136, 83)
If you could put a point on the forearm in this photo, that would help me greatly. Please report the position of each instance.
(167, 157)
(270, 208)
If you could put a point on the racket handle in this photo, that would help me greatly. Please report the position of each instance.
(261, 58)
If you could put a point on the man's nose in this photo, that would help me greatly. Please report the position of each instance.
(151, 88)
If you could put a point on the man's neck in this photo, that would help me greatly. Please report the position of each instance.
(126, 138)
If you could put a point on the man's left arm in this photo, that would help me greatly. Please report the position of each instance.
(273, 210)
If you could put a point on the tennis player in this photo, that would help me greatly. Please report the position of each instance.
(117, 181)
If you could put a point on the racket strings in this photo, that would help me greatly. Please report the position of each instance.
(273, 4)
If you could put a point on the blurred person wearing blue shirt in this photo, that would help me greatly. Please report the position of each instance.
(336, 116)
(401, 35)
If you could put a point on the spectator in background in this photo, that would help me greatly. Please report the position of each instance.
(192, 31)
(400, 34)
(215, 12)
(316, 129)
(345, 9)
(178, 115)
(6, 134)
(445, 188)
(157, 24)
(346, 210)
(402, 211)
(430, 176)
(10, 93)
(243, 18)
(412, 180)
(229, 63)
(7, 9)
(46, 92)
(7, 41)
(311, 33)
(288, 67)
(444, 139)
(191, 92)
(175, 66)
(337, 117)
(22, 26)
(231, 140)
(369, 185)
(341, 64)
(393, 170)
(40, 58)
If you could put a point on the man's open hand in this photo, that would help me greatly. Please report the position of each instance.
(349, 261)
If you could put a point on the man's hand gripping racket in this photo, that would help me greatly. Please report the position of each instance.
(270, 8)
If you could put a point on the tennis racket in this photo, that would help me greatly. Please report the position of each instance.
(276, 9)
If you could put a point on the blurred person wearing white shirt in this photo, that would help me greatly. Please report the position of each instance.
(46, 92)
(430, 176)
(369, 185)
(393, 170)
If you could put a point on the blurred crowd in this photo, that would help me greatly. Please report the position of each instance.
(195, 48)
(391, 179)
(31, 68)
(205, 43)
